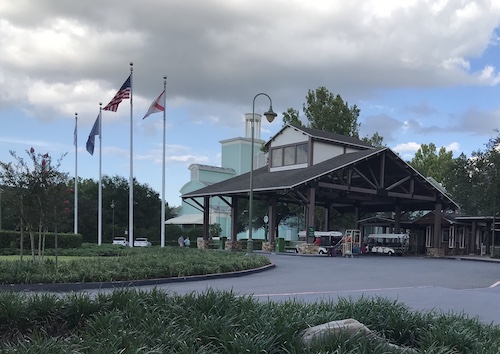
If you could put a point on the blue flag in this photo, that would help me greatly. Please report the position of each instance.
(91, 140)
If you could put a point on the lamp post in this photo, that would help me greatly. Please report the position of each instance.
(113, 218)
(270, 115)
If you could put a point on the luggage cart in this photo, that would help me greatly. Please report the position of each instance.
(351, 247)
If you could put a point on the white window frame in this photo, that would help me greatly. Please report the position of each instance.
(451, 237)
(288, 156)
(445, 231)
(461, 237)
(428, 236)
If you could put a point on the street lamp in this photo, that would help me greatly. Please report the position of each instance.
(113, 209)
(270, 115)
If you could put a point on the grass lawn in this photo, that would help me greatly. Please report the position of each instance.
(133, 321)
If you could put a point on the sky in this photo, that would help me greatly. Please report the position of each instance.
(420, 71)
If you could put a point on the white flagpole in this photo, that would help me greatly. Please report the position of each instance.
(131, 178)
(163, 163)
(76, 175)
(99, 222)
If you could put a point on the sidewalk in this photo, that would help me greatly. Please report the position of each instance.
(484, 258)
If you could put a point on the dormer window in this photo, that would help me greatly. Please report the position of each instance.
(289, 155)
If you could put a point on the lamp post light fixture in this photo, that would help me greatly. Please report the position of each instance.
(270, 115)
(113, 209)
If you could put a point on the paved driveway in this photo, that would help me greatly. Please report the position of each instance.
(471, 287)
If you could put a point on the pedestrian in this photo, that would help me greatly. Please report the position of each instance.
(180, 241)
(187, 242)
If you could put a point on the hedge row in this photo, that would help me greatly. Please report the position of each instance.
(12, 239)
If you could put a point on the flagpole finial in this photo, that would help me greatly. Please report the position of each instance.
(76, 114)
(164, 77)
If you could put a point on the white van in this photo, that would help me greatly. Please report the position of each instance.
(327, 240)
(389, 244)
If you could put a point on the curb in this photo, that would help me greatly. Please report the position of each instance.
(68, 287)
(473, 259)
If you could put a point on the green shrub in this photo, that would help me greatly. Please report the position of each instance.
(12, 239)
(131, 321)
(116, 263)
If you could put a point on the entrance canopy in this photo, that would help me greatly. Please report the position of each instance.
(372, 180)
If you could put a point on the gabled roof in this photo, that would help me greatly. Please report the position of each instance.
(325, 136)
(280, 180)
(428, 218)
(375, 179)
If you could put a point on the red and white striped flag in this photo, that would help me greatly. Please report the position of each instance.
(122, 94)
(158, 105)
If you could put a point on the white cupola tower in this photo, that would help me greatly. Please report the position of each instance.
(248, 126)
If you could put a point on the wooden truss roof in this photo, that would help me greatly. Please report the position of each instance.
(373, 180)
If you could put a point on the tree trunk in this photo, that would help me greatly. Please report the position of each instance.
(39, 242)
(32, 241)
(55, 246)
(21, 246)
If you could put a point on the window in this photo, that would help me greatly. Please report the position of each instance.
(451, 238)
(445, 234)
(302, 153)
(428, 236)
(461, 237)
(277, 157)
(289, 155)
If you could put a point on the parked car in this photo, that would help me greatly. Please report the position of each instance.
(122, 241)
(141, 242)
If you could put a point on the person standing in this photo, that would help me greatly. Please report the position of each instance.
(180, 241)
(187, 242)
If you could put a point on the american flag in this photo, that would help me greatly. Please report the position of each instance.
(122, 94)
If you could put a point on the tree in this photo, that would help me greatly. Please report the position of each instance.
(330, 113)
(39, 190)
(214, 230)
(291, 116)
(462, 186)
(376, 140)
(327, 112)
(432, 164)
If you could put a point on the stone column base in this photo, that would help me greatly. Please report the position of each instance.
(234, 245)
(308, 248)
(268, 246)
(202, 244)
(435, 252)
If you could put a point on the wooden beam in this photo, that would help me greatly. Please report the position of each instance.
(374, 178)
(375, 191)
(382, 171)
(365, 178)
(403, 180)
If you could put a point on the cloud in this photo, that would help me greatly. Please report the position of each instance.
(422, 109)
(410, 147)
(385, 125)
(226, 50)
(454, 146)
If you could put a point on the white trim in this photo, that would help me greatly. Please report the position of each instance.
(428, 236)
(288, 167)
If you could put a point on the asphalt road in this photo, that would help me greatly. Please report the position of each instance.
(444, 285)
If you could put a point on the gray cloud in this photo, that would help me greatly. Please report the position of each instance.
(422, 109)
(224, 52)
(382, 124)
